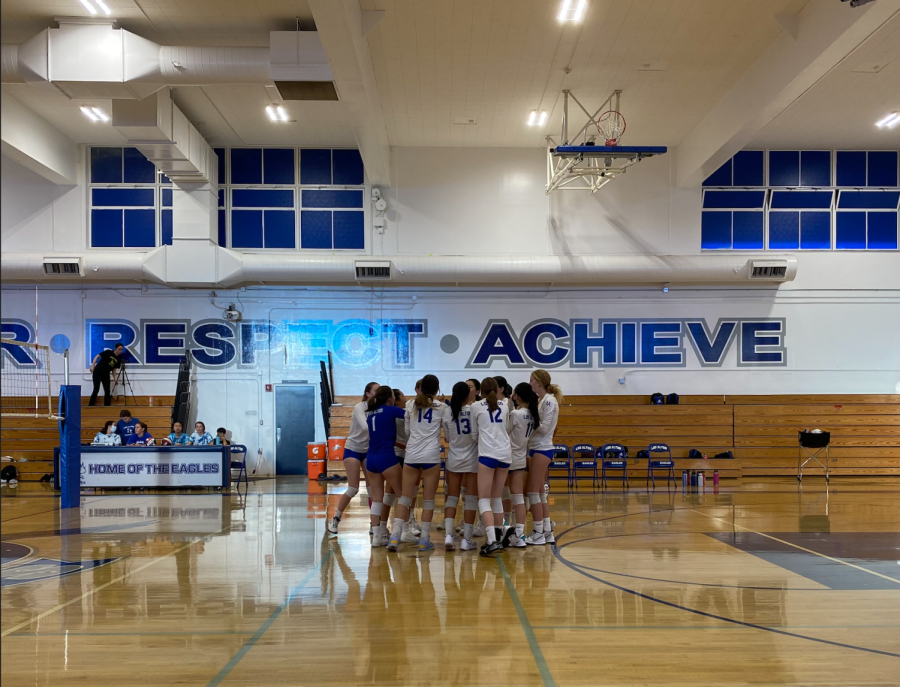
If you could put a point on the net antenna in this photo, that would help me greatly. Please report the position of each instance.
(578, 162)
(25, 370)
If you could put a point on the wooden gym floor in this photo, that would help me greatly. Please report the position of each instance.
(759, 583)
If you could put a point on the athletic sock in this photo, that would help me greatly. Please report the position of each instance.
(338, 514)
(448, 525)
(468, 528)
(539, 526)
(520, 531)
(547, 526)
(398, 528)
(491, 536)
(426, 531)
(383, 529)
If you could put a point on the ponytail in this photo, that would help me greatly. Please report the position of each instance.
(458, 399)
(543, 377)
(489, 388)
(427, 391)
(380, 398)
(526, 394)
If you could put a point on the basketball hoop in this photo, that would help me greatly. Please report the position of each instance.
(611, 125)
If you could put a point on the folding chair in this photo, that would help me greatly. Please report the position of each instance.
(812, 444)
(582, 463)
(562, 460)
(667, 464)
(613, 457)
(239, 465)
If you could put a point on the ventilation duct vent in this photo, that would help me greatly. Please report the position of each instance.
(768, 269)
(373, 270)
(63, 267)
(306, 90)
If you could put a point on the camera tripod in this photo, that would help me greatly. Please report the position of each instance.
(123, 381)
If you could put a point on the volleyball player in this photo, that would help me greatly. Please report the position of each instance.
(489, 420)
(504, 393)
(381, 460)
(541, 452)
(390, 496)
(354, 454)
(424, 417)
(462, 466)
(521, 424)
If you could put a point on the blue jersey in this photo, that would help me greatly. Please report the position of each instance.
(125, 429)
(382, 423)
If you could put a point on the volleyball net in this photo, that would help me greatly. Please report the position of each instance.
(26, 387)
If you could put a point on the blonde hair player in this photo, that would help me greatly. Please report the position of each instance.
(355, 449)
(424, 418)
(490, 418)
(521, 424)
(541, 451)
(462, 466)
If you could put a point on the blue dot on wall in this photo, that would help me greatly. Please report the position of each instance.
(59, 343)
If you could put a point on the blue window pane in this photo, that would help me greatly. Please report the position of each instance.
(784, 168)
(166, 227)
(122, 197)
(748, 230)
(815, 230)
(106, 228)
(315, 229)
(815, 168)
(140, 228)
(851, 230)
(784, 230)
(279, 228)
(721, 177)
(246, 229)
(258, 198)
(882, 230)
(106, 166)
(332, 199)
(869, 200)
(315, 166)
(851, 168)
(748, 168)
(818, 200)
(715, 230)
(883, 168)
(349, 231)
(246, 165)
(223, 239)
(220, 157)
(732, 199)
(167, 197)
(278, 166)
(348, 167)
(138, 169)
(221, 197)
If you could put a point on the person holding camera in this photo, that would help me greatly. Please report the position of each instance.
(106, 363)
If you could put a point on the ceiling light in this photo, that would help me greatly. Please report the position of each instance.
(890, 121)
(271, 112)
(88, 6)
(89, 113)
(103, 6)
(102, 115)
(572, 10)
(537, 118)
(282, 115)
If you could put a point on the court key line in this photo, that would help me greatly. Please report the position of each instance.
(796, 546)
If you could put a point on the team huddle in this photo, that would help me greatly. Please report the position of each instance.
(499, 446)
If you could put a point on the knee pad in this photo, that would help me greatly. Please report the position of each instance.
(471, 502)
(451, 502)
(543, 497)
(351, 492)
(375, 508)
(505, 496)
(427, 504)
(405, 501)
(497, 505)
(518, 499)
(534, 498)
(484, 506)
(389, 499)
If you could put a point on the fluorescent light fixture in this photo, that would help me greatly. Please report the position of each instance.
(271, 112)
(102, 115)
(103, 6)
(890, 121)
(89, 113)
(282, 114)
(572, 10)
(537, 118)
(89, 7)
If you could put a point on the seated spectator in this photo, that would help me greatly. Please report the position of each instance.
(108, 436)
(141, 436)
(221, 438)
(201, 437)
(125, 425)
(178, 437)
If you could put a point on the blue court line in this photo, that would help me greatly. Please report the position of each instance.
(250, 643)
(34, 635)
(543, 668)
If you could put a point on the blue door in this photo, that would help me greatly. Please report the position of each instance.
(295, 426)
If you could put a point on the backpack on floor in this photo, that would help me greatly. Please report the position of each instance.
(694, 453)
(672, 400)
(643, 454)
(725, 454)
(9, 473)
(657, 399)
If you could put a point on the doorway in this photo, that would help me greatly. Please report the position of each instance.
(295, 426)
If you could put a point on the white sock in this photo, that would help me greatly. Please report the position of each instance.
(405, 524)
(468, 528)
(547, 526)
(448, 526)
(338, 514)
(520, 531)
(398, 528)
(426, 531)
(383, 529)
(491, 536)
(539, 526)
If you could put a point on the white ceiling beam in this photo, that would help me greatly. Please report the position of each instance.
(32, 142)
(340, 26)
(824, 34)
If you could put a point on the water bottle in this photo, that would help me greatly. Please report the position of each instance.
(684, 478)
(693, 478)
(151, 400)
(701, 480)
(716, 478)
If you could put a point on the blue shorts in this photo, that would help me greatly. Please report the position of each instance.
(379, 462)
(421, 466)
(548, 454)
(492, 463)
(353, 454)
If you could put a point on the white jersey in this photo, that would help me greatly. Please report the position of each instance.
(402, 437)
(542, 436)
(424, 427)
(358, 436)
(462, 455)
(520, 426)
(492, 429)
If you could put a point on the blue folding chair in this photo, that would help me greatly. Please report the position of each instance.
(562, 460)
(240, 465)
(613, 457)
(667, 464)
(582, 463)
